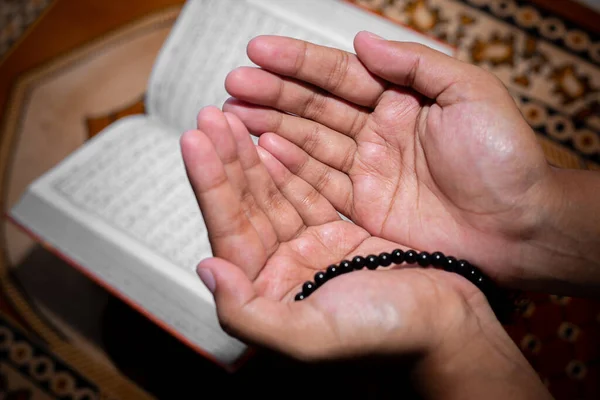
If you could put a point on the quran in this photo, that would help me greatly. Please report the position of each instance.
(120, 207)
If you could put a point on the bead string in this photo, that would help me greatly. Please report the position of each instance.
(502, 303)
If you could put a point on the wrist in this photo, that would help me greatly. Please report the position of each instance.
(477, 360)
(563, 250)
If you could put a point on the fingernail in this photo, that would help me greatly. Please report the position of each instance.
(207, 277)
(261, 153)
(373, 36)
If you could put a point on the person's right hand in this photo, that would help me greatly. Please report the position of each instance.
(409, 143)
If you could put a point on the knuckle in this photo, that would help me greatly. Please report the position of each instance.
(301, 228)
(278, 95)
(413, 71)
(301, 57)
(302, 167)
(348, 203)
(274, 199)
(312, 140)
(323, 179)
(482, 82)
(286, 181)
(347, 161)
(249, 202)
(337, 75)
(312, 198)
(314, 106)
(237, 223)
(357, 123)
(278, 123)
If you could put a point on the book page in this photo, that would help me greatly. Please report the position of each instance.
(210, 37)
(135, 181)
(122, 208)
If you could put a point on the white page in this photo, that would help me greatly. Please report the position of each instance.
(133, 178)
(122, 208)
(340, 22)
(210, 39)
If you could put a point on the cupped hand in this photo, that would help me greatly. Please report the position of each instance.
(411, 144)
(270, 231)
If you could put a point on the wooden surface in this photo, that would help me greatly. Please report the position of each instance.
(573, 11)
(66, 25)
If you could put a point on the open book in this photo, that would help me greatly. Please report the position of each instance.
(121, 208)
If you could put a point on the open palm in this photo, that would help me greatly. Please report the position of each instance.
(271, 231)
(413, 145)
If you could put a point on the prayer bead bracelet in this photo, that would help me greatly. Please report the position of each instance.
(503, 303)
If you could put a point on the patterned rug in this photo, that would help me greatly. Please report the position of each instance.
(551, 66)
(28, 371)
(15, 18)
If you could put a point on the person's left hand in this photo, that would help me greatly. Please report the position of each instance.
(270, 232)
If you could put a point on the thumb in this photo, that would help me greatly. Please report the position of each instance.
(251, 318)
(229, 285)
(428, 71)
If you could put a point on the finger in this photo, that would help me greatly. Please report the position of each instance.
(215, 125)
(256, 320)
(322, 143)
(212, 122)
(284, 218)
(428, 71)
(261, 87)
(334, 185)
(230, 233)
(336, 71)
(310, 204)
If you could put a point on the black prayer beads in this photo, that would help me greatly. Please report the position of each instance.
(499, 301)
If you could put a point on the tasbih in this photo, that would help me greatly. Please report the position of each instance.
(502, 302)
